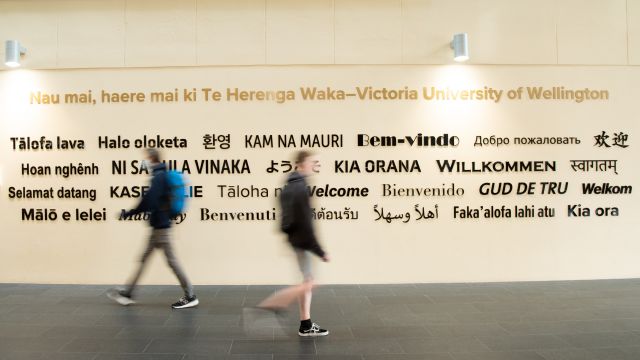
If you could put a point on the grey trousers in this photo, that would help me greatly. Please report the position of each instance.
(160, 239)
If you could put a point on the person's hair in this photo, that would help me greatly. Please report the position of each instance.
(154, 155)
(301, 156)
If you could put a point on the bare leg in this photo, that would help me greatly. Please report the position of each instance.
(304, 300)
(302, 293)
(283, 298)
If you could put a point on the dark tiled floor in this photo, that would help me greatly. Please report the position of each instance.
(579, 320)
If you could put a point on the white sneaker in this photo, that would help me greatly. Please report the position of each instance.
(120, 296)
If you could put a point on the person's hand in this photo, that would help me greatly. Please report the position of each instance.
(325, 258)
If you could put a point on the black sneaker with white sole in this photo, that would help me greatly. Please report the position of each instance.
(186, 302)
(314, 330)
(122, 297)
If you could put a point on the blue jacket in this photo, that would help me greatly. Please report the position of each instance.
(156, 200)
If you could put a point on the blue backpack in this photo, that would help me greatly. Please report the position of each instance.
(177, 193)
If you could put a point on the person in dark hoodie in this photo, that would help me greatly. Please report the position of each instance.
(155, 202)
(297, 224)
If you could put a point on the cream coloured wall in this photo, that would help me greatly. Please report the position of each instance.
(446, 249)
(141, 33)
(103, 44)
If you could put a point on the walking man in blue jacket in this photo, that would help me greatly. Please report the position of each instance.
(155, 202)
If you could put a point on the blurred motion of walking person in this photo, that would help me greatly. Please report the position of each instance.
(297, 224)
(157, 201)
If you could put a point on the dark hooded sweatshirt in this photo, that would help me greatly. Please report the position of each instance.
(296, 215)
(156, 200)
